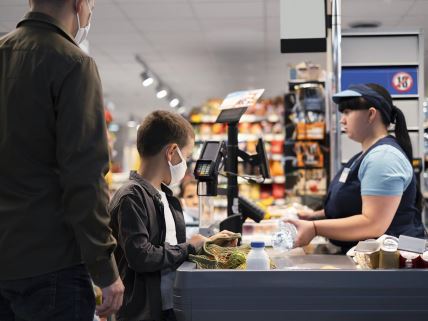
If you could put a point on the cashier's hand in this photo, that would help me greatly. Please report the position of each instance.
(221, 239)
(305, 232)
(307, 214)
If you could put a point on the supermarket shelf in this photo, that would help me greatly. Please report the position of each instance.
(279, 202)
(307, 139)
(271, 157)
(309, 193)
(275, 157)
(241, 137)
(268, 181)
(245, 119)
(299, 82)
(275, 180)
(309, 167)
(222, 203)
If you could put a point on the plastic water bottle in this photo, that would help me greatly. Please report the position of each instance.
(284, 239)
(258, 259)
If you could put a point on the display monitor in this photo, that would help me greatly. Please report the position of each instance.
(232, 115)
(210, 150)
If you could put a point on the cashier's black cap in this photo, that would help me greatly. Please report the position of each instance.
(361, 96)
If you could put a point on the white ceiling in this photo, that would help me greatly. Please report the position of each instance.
(203, 48)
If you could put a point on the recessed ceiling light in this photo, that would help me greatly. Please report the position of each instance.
(147, 79)
(161, 93)
(182, 110)
(174, 102)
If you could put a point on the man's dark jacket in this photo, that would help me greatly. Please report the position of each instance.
(53, 156)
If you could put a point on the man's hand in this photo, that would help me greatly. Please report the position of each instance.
(112, 299)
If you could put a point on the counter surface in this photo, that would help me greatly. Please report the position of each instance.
(302, 288)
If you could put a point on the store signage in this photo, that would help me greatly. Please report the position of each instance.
(402, 81)
(241, 99)
(303, 26)
(398, 81)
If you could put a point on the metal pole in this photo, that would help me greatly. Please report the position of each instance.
(335, 129)
(232, 168)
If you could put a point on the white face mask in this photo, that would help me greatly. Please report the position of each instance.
(82, 32)
(177, 171)
(192, 211)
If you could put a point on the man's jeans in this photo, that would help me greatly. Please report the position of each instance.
(65, 295)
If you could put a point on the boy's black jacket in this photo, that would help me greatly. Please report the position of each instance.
(138, 224)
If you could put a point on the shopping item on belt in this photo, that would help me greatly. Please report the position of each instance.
(214, 256)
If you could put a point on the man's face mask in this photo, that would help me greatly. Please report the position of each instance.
(82, 32)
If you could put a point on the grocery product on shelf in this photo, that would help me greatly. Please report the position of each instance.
(306, 155)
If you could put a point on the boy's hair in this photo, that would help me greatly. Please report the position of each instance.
(161, 128)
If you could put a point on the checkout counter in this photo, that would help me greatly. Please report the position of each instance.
(302, 288)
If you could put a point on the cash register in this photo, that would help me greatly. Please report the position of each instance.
(218, 156)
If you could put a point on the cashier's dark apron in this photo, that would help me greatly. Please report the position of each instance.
(344, 199)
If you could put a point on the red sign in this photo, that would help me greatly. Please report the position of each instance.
(402, 81)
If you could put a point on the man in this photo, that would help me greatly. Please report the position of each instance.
(53, 156)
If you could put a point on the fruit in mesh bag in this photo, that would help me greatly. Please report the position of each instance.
(98, 295)
(236, 259)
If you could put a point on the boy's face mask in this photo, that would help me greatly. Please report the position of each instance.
(192, 211)
(177, 171)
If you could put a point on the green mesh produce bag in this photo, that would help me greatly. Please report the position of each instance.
(214, 256)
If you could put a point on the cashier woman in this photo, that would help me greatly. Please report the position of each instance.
(376, 192)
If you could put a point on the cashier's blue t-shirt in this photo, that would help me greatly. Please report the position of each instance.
(385, 170)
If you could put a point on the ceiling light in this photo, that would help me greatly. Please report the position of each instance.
(147, 79)
(161, 93)
(147, 82)
(174, 102)
(182, 110)
(131, 122)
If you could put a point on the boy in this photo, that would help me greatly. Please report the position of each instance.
(148, 221)
(190, 203)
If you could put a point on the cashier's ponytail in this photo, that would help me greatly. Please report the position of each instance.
(401, 133)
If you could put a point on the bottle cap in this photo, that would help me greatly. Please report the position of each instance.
(257, 244)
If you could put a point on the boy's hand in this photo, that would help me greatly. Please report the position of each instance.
(197, 241)
(225, 238)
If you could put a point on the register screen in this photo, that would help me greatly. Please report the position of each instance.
(210, 152)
